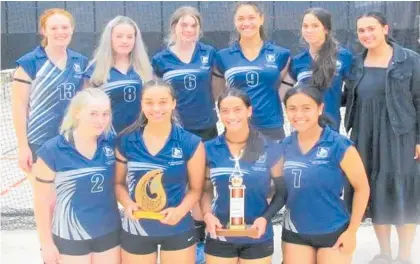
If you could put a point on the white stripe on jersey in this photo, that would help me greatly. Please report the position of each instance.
(108, 87)
(288, 224)
(40, 77)
(215, 172)
(229, 74)
(294, 165)
(171, 74)
(303, 75)
(133, 227)
(66, 223)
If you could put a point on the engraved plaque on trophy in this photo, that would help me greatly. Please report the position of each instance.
(237, 226)
(150, 196)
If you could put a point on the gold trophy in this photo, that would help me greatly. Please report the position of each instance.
(150, 196)
(237, 226)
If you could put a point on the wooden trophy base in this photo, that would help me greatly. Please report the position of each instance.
(238, 231)
(148, 215)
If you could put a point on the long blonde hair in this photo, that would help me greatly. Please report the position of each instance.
(103, 58)
(80, 101)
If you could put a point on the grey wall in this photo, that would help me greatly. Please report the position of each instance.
(20, 34)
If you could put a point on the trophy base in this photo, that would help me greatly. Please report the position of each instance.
(238, 231)
(148, 215)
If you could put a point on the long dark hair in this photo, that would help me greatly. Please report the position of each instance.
(141, 121)
(325, 63)
(316, 95)
(255, 142)
(382, 20)
(259, 11)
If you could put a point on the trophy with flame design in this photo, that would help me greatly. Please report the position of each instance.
(150, 196)
(237, 226)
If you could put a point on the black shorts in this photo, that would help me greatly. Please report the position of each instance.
(223, 249)
(143, 245)
(315, 241)
(34, 148)
(84, 247)
(205, 134)
(275, 134)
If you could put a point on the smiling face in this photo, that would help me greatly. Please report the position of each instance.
(58, 30)
(248, 21)
(313, 31)
(234, 114)
(123, 39)
(371, 33)
(187, 29)
(158, 104)
(303, 112)
(94, 117)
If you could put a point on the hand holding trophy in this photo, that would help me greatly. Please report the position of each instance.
(150, 196)
(237, 226)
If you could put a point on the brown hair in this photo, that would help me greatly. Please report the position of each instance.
(47, 14)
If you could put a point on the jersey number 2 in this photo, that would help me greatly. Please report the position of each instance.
(98, 182)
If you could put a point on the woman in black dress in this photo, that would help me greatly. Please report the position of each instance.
(383, 111)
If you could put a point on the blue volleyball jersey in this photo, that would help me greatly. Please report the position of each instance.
(259, 78)
(86, 206)
(124, 90)
(50, 92)
(172, 159)
(192, 85)
(301, 71)
(256, 178)
(315, 183)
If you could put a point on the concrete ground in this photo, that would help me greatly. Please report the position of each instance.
(21, 246)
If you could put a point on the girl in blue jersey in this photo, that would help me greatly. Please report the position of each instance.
(258, 163)
(45, 81)
(317, 227)
(78, 165)
(257, 67)
(187, 65)
(155, 142)
(383, 113)
(119, 67)
(324, 64)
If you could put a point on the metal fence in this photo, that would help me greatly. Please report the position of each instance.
(20, 33)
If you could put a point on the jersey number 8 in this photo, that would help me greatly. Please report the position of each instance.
(98, 182)
(129, 93)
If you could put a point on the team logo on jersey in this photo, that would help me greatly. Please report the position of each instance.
(77, 68)
(109, 152)
(177, 153)
(204, 59)
(270, 58)
(262, 158)
(322, 153)
(338, 64)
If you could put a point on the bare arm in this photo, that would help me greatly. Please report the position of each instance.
(121, 190)
(20, 104)
(218, 83)
(196, 170)
(207, 197)
(44, 193)
(354, 169)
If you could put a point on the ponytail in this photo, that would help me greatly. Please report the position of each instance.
(254, 145)
(325, 64)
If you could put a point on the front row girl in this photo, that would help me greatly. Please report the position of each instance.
(78, 165)
(317, 227)
(156, 143)
(243, 151)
